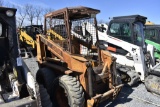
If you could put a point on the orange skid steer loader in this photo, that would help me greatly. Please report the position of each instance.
(71, 78)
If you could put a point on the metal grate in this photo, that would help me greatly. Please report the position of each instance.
(83, 34)
(84, 29)
(58, 32)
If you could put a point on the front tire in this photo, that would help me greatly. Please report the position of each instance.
(68, 92)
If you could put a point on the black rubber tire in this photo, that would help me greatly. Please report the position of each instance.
(152, 84)
(45, 99)
(73, 88)
(46, 77)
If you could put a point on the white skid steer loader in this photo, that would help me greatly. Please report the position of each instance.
(124, 38)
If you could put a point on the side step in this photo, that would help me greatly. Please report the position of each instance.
(25, 102)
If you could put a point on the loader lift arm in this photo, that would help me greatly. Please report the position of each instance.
(24, 37)
(27, 35)
(62, 54)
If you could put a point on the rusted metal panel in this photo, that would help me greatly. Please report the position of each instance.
(40, 49)
(73, 10)
(82, 59)
(78, 65)
(75, 63)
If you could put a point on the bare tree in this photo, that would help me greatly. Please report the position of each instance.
(30, 12)
(21, 16)
(46, 11)
(38, 14)
(1, 2)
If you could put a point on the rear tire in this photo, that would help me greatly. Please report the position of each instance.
(67, 92)
(45, 78)
(45, 99)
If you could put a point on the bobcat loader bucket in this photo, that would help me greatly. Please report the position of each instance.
(152, 82)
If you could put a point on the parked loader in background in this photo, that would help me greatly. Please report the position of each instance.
(54, 32)
(152, 35)
(71, 78)
(14, 80)
(125, 40)
(27, 35)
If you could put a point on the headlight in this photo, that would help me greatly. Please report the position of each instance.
(9, 13)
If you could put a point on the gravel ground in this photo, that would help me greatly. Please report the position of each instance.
(136, 96)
